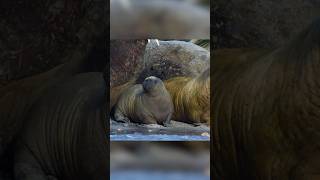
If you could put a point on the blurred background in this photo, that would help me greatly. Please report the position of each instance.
(36, 37)
(160, 160)
(162, 19)
(259, 23)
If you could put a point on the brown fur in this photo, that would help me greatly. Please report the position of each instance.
(267, 111)
(191, 98)
(117, 91)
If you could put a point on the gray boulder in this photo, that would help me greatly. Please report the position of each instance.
(173, 58)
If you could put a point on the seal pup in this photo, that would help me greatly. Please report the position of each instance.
(146, 103)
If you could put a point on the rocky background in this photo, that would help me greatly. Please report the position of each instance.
(126, 58)
(259, 23)
(134, 60)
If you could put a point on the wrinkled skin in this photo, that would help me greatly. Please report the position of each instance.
(267, 111)
(54, 124)
(71, 143)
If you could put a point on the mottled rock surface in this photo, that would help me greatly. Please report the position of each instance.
(173, 58)
(126, 60)
(136, 59)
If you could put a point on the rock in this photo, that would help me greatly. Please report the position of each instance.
(126, 60)
(173, 58)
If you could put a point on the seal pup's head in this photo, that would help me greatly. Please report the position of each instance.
(152, 84)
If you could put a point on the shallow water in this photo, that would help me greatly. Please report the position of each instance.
(157, 137)
(177, 131)
(157, 175)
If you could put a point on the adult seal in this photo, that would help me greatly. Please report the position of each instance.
(191, 98)
(146, 103)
